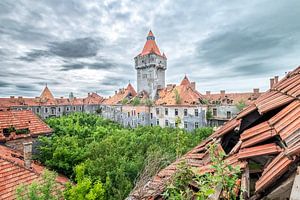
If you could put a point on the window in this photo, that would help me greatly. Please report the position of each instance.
(128, 114)
(53, 111)
(68, 108)
(228, 114)
(196, 112)
(80, 108)
(176, 112)
(157, 111)
(167, 122)
(74, 108)
(138, 115)
(166, 111)
(196, 125)
(185, 112)
(214, 112)
(38, 110)
(46, 110)
(157, 122)
(151, 124)
(185, 125)
(151, 115)
(58, 109)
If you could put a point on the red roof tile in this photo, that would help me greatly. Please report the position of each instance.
(23, 119)
(13, 173)
(150, 46)
(129, 92)
(284, 97)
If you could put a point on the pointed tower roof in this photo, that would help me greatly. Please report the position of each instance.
(131, 89)
(185, 81)
(46, 94)
(150, 46)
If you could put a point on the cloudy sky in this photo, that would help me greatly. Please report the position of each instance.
(85, 46)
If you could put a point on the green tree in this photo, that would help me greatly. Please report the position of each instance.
(109, 155)
(240, 105)
(47, 189)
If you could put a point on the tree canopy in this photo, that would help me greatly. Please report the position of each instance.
(105, 159)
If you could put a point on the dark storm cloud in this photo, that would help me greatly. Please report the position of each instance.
(4, 84)
(77, 48)
(223, 47)
(28, 87)
(35, 54)
(211, 41)
(100, 65)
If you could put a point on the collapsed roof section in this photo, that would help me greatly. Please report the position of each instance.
(266, 134)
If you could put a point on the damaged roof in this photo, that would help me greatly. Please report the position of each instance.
(267, 133)
(122, 94)
(16, 124)
(13, 173)
(183, 94)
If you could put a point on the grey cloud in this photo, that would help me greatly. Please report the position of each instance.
(81, 65)
(28, 87)
(34, 55)
(114, 81)
(4, 84)
(77, 48)
(226, 46)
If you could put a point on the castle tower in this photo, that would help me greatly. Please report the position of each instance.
(151, 66)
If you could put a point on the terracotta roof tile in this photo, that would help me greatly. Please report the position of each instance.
(129, 92)
(13, 173)
(188, 95)
(23, 119)
(150, 46)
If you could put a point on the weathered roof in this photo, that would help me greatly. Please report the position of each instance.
(267, 131)
(47, 94)
(180, 95)
(127, 92)
(13, 173)
(21, 120)
(150, 46)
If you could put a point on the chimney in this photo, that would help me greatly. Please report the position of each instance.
(207, 92)
(116, 91)
(89, 94)
(222, 93)
(276, 79)
(27, 154)
(193, 84)
(255, 90)
(12, 97)
(271, 82)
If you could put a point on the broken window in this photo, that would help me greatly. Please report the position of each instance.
(185, 112)
(214, 112)
(185, 125)
(196, 112)
(166, 111)
(176, 112)
(228, 114)
(196, 125)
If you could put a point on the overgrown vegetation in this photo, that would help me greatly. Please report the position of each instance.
(135, 101)
(104, 159)
(177, 97)
(223, 180)
(240, 105)
(209, 114)
(46, 189)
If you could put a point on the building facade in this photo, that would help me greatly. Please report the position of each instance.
(153, 104)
